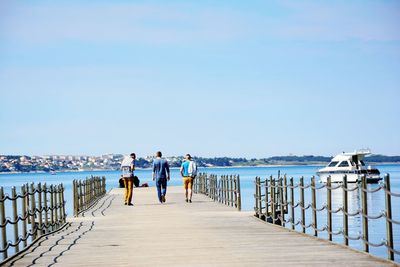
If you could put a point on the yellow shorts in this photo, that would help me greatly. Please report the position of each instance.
(187, 182)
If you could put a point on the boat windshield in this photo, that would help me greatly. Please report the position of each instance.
(362, 163)
(333, 163)
(344, 164)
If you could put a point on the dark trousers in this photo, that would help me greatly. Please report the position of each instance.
(161, 188)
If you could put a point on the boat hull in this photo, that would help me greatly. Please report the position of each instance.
(351, 177)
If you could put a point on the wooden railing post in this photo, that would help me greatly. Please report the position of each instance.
(314, 205)
(52, 206)
(55, 204)
(3, 222)
(273, 200)
(40, 209)
(239, 194)
(282, 203)
(267, 204)
(256, 196)
(15, 217)
(292, 201)
(388, 210)
(303, 212)
(259, 199)
(364, 212)
(285, 193)
(24, 214)
(329, 204)
(33, 212)
(80, 195)
(345, 211)
(46, 212)
(231, 191)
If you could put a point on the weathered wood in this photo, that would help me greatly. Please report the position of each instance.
(208, 233)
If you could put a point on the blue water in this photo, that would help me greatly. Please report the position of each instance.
(247, 174)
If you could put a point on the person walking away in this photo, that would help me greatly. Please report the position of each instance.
(161, 175)
(188, 172)
(127, 168)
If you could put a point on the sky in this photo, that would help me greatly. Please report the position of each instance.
(210, 78)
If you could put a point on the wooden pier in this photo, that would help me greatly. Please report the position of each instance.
(202, 233)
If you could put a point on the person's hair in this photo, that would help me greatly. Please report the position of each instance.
(159, 154)
(133, 155)
(188, 156)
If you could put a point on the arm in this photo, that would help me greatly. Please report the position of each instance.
(181, 170)
(168, 174)
(154, 172)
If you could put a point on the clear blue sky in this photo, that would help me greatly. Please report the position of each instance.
(212, 78)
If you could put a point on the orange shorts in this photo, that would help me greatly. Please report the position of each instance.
(187, 182)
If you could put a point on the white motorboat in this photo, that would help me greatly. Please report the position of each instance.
(352, 165)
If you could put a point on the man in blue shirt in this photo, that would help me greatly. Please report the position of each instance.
(161, 175)
(187, 176)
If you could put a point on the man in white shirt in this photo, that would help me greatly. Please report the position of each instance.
(127, 168)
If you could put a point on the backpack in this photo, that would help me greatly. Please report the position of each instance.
(192, 169)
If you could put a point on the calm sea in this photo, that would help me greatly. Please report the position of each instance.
(376, 201)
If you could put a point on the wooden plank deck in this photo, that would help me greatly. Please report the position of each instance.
(177, 233)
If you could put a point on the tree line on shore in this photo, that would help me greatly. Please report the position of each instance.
(14, 164)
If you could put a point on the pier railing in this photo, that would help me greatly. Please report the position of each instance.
(274, 198)
(36, 211)
(225, 190)
(87, 192)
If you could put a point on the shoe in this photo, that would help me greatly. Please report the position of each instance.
(130, 204)
(125, 203)
(163, 198)
(190, 200)
(187, 200)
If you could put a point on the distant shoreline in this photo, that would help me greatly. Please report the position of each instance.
(207, 167)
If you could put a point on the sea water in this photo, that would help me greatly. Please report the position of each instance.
(376, 201)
